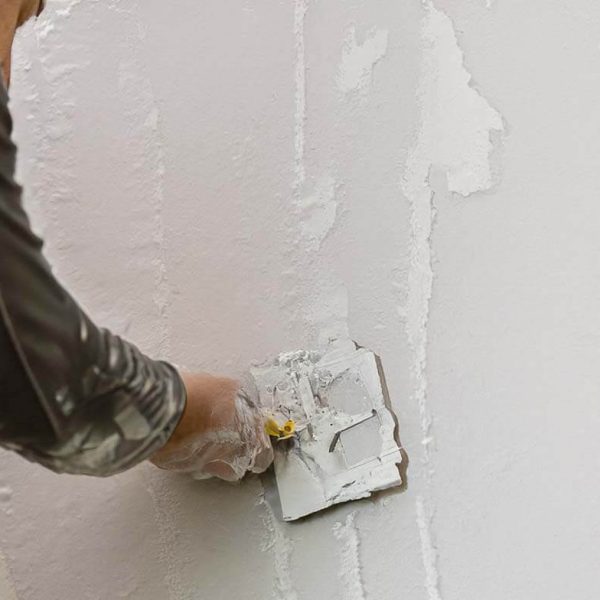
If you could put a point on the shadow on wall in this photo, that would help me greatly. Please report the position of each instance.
(403, 466)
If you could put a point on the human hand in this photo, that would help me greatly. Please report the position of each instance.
(221, 433)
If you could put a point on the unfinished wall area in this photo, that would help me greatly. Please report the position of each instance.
(223, 181)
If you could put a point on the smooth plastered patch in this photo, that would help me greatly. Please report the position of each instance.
(358, 60)
(318, 211)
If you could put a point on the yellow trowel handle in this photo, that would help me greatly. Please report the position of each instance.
(280, 432)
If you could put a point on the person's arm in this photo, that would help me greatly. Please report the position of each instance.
(99, 405)
(79, 399)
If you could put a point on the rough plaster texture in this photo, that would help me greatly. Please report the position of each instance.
(223, 181)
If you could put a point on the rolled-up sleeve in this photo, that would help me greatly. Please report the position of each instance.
(73, 397)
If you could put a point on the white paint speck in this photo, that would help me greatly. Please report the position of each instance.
(358, 60)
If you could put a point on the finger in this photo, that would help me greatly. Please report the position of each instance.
(263, 460)
(222, 470)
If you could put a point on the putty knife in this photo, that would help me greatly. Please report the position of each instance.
(335, 437)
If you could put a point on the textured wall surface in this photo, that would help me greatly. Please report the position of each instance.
(221, 181)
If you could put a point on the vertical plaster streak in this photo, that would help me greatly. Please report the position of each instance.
(165, 504)
(162, 293)
(350, 571)
(454, 137)
(280, 546)
(136, 83)
(7, 588)
(428, 550)
(300, 8)
(155, 150)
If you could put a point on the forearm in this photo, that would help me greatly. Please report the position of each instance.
(95, 404)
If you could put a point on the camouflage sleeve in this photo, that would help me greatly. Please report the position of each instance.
(73, 397)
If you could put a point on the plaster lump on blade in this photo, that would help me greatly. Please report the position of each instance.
(345, 446)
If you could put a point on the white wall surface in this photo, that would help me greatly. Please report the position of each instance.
(221, 181)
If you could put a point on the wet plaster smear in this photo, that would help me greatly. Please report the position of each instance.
(224, 182)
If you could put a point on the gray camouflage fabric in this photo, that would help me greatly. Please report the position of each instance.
(73, 397)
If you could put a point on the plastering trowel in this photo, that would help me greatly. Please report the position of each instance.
(334, 436)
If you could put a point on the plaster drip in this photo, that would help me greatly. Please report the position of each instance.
(280, 546)
(358, 61)
(350, 571)
(454, 136)
(300, 8)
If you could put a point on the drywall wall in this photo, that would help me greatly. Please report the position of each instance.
(220, 182)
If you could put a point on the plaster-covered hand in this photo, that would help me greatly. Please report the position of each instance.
(221, 433)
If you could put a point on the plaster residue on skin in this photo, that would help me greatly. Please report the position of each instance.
(318, 212)
(358, 60)
(280, 545)
(454, 137)
(350, 570)
(300, 7)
